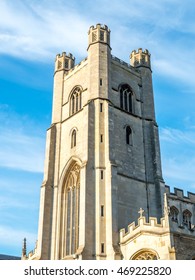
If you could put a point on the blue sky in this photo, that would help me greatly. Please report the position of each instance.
(31, 34)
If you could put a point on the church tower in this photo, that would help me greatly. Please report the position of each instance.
(102, 160)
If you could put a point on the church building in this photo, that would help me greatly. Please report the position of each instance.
(103, 196)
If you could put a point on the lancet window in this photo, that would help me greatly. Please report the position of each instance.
(128, 135)
(126, 98)
(174, 213)
(187, 218)
(70, 212)
(76, 100)
(73, 138)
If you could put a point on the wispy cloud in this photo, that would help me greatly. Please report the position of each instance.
(8, 236)
(178, 157)
(177, 136)
(21, 151)
(38, 30)
(20, 148)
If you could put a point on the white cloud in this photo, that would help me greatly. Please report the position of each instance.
(20, 147)
(39, 30)
(14, 201)
(15, 236)
(177, 136)
(20, 151)
(180, 169)
(178, 157)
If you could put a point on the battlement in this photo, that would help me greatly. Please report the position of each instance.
(179, 194)
(65, 55)
(151, 226)
(78, 66)
(64, 61)
(124, 63)
(99, 26)
(140, 58)
(99, 34)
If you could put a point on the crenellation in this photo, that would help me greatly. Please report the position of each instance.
(152, 223)
(99, 33)
(124, 63)
(81, 63)
(140, 58)
(131, 227)
(64, 61)
(191, 196)
(179, 194)
(99, 26)
(64, 54)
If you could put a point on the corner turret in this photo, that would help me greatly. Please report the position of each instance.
(140, 58)
(99, 34)
(64, 62)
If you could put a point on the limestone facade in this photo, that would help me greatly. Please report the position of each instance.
(102, 164)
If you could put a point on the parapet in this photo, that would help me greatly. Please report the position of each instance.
(99, 34)
(143, 226)
(98, 26)
(64, 62)
(140, 58)
(123, 63)
(179, 194)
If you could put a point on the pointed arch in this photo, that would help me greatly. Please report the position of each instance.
(174, 213)
(126, 97)
(145, 254)
(75, 100)
(73, 138)
(129, 137)
(187, 218)
(69, 204)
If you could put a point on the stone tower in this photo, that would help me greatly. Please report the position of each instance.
(102, 160)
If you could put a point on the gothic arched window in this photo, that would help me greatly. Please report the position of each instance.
(174, 213)
(187, 218)
(73, 138)
(145, 255)
(128, 135)
(70, 213)
(126, 98)
(75, 100)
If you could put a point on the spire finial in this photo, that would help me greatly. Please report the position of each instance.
(141, 211)
(24, 248)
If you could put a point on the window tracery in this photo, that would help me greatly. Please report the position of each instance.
(76, 100)
(174, 213)
(145, 255)
(70, 212)
(126, 98)
(187, 218)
